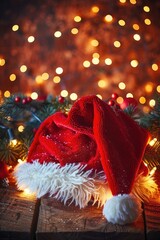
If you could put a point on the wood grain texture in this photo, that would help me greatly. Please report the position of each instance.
(16, 214)
(152, 218)
(57, 222)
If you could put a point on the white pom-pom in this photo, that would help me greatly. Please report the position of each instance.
(122, 209)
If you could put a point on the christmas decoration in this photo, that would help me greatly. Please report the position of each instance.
(92, 151)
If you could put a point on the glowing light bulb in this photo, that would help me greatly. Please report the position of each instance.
(94, 43)
(146, 9)
(154, 67)
(21, 128)
(102, 83)
(2, 62)
(31, 39)
(108, 61)
(95, 55)
(39, 79)
(149, 87)
(119, 100)
(20, 161)
(45, 76)
(15, 28)
(134, 63)
(7, 94)
(136, 37)
(133, 1)
(117, 44)
(57, 34)
(151, 173)
(64, 93)
(74, 31)
(136, 26)
(34, 95)
(152, 103)
(147, 21)
(129, 95)
(95, 61)
(13, 142)
(86, 64)
(158, 88)
(152, 142)
(56, 79)
(122, 1)
(95, 9)
(99, 96)
(121, 22)
(73, 96)
(12, 77)
(108, 18)
(59, 70)
(142, 100)
(122, 85)
(77, 19)
(23, 68)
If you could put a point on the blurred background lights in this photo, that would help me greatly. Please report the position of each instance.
(56, 79)
(133, 1)
(142, 100)
(73, 96)
(147, 21)
(108, 18)
(21, 128)
(122, 1)
(57, 34)
(102, 83)
(77, 19)
(59, 70)
(39, 79)
(23, 68)
(86, 64)
(2, 62)
(154, 67)
(12, 77)
(64, 93)
(117, 44)
(45, 76)
(95, 61)
(134, 63)
(95, 9)
(122, 85)
(149, 87)
(74, 31)
(31, 39)
(136, 37)
(95, 55)
(146, 8)
(136, 26)
(94, 43)
(129, 95)
(15, 28)
(158, 88)
(152, 103)
(34, 95)
(99, 96)
(7, 94)
(108, 61)
(119, 100)
(121, 22)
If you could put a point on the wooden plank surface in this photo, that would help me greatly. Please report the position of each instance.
(57, 222)
(16, 214)
(152, 219)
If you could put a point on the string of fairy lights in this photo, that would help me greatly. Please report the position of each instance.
(92, 58)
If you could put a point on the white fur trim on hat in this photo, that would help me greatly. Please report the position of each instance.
(70, 182)
(122, 209)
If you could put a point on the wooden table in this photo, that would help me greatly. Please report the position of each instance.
(23, 217)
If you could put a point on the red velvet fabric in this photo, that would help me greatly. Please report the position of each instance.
(93, 134)
(3, 170)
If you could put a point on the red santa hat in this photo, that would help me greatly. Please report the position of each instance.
(81, 156)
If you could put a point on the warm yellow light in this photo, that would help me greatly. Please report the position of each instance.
(86, 64)
(45, 76)
(12, 77)
(102, 83)
(34, 95)
(96, 55)
(64, 93)
(59, 70)
(2, 62)
(152, 103)
(152, 142)
(39, 79)
(117, 44)
(158, 88)
(121, 22)
(7, 94)
(147, 21)
(56, 79)
(74, 31)
(95, 9)
(73, 96)
(27, 191)
(21, 128)
(23, 68)
(136, 37)
(95, 61)
(108, 61)
(77, 19)
(149, 87)
(146, 109)
(20, 161)
(122, 1)
(94, 43)
(99, 96)
(15, 27)
(13, 142)
(151, 173)
(108, 18)
(146, 8)
(135, 26)
(134, 63)
(31, 39)
(142, 100)
(129, 95)
(119, 100)
(122, 85)
(154, 67)
(57, 34)
(133, 1)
